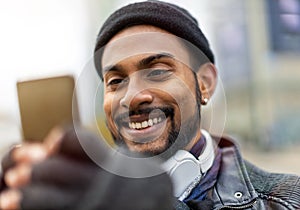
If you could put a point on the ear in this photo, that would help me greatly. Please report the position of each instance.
(207, 80)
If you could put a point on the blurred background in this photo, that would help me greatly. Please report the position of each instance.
(257, 47)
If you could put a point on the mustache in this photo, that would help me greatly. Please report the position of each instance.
(168, 111)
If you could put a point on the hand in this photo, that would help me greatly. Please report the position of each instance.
(25, 154)
(60, 175)
(17, 165)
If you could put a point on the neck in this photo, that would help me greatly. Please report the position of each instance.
(194, 141)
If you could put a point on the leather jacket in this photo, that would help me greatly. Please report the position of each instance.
(241, 185)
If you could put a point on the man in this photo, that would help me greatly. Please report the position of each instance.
(158, 70)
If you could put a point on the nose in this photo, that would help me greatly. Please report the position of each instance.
(137, 94)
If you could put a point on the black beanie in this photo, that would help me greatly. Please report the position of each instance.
(169, 17)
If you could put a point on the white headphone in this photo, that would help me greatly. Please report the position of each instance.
(184, 168)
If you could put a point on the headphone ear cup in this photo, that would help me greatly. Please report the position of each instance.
(184, 168)
(183, 174)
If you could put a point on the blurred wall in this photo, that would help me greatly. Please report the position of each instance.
(43, 39)
(263, 96)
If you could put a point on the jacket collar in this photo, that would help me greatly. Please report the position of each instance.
(233, 187)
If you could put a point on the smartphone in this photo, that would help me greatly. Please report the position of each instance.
(46, 103)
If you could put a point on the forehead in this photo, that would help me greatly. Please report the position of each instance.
(143, 39)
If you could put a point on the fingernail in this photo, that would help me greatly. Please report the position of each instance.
(10, 200)
(18, 176)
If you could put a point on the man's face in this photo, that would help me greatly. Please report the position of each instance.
(149, 90)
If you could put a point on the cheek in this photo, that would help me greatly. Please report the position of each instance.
(184, 102)
(108, 110)
(110, 123)
(107, 107)
(110, 104)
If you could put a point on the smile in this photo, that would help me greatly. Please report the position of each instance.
(144, 118)
(144, 124)
(143, 130)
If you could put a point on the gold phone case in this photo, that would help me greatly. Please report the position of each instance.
(44, 104)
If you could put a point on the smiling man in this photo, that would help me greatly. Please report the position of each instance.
(151, 95)
(158, 71)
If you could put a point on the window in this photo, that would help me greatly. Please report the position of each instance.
(284, 22)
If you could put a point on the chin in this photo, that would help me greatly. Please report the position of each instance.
(149, 149)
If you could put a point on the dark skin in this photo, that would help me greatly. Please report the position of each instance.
(167, 70)
(129, 87)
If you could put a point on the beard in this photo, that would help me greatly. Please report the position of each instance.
(178, 137)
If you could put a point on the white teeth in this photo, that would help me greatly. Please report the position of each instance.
(150, 122)
(138, 125)
(144, 124)
(133, 125)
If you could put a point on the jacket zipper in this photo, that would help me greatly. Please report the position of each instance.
(251, 204)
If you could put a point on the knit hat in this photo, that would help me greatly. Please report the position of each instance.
(169, 17)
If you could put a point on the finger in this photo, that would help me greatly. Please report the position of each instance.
(7, 163)
(7, 160)
(29, 153)
(64, 172)
(10, 199)
(53, 140)
(38, 196)
(18, 176)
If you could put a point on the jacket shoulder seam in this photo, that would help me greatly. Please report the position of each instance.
(285, 190)
(276, 199)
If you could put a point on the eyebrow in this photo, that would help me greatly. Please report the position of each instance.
(110, 68)
(148, 60)
(144, 62)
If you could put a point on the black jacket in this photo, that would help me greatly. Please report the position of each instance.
(241, 185)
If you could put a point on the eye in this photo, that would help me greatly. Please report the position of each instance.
(114, 82)
(157, 72)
